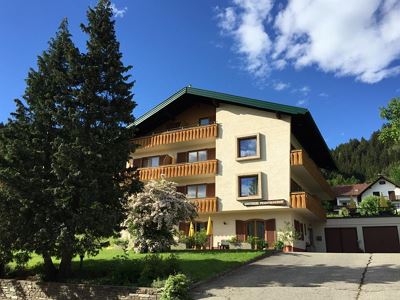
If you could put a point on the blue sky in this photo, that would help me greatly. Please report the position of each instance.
(341, 64)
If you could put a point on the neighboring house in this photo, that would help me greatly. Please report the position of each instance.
(249, 164)
(381, 187)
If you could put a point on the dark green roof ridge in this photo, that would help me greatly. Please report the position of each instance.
(255, 103)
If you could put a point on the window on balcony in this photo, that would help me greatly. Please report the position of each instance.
(249, 186)
(151, 162)
(204, 121)
(196, 191)
(195, 156)
(248, 147)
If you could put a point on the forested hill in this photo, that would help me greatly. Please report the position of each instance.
(362, 160)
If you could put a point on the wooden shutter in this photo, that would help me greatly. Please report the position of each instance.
(181, 189)
(165, 160)
(241, 230)
(271, 232)
(211, 153)
(137, 162)
(184, 227)
(210, 190)
(181, 157)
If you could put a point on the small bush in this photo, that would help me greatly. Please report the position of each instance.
(369, 206)
(157, 268)
(344, 212)
(176, 288)
(261, 244)
(158, 283)
(279, 245)
(200, 239)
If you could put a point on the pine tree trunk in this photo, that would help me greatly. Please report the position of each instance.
(66, 264)
(50, 271)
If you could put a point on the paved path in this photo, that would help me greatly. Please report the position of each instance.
(310, 276)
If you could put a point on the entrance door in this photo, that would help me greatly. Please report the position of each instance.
(341, 240)
(384, 239)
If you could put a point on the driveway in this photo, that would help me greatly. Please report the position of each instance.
(310, 276)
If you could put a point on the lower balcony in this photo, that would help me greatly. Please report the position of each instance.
(206, 205)
(179, 170)
(305, 200)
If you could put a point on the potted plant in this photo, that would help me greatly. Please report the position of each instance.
(200, 239)
(286, 237)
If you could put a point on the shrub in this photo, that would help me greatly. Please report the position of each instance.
(369, 206)
(200, 239)
(344, 212)
(279, 245)
(352, 204)
(157, 268)
(176, 288)
(261, 244)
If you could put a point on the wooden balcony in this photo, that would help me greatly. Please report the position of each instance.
(177, 136)
(300, 159)
(305, 200)
(206, 205)
(179, 170)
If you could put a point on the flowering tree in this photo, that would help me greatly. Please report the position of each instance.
(154, 213)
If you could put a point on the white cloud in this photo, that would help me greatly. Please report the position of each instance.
(280, 86)
(244, 22)
(118, 12)
(324, 95)
(359, 39)
(302, 102)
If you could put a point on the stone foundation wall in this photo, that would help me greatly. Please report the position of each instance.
(33, 290)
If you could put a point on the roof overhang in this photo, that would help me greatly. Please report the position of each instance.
(303, 125)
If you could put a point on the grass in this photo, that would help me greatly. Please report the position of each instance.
(110, 267)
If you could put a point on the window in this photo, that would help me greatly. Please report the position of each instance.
(196, 191)
(382, 182)
(204, 121)
(151, 161)
(392, 195)
(376, 194)
(248, 147)
(195, 156)
(299, 230)
(249, 186)
(255, 228)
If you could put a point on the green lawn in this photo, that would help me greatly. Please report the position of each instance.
(109, 268)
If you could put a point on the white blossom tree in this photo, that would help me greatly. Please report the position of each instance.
(154, 213)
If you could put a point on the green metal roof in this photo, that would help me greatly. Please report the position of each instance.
(265, 105)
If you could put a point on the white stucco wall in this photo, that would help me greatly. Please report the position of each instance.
(381, 188)
(274, 163)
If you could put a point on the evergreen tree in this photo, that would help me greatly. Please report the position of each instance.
(63, 154)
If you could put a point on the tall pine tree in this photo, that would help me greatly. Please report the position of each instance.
(63, 155)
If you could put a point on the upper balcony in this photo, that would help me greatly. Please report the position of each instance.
(306, 201)
(182, 134)
(308, 175)
(179, 170)
(206, 205)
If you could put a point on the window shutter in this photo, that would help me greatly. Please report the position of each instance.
(184, 227)
(271, 232)
(241, 230)
(181, 189)
(165, 160)
(210, 190)
(211, 153)
(137, 162)
(181, 157)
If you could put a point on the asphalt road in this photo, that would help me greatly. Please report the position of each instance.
(310, 276)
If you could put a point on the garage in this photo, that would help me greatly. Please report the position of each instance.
(384, 239)
(341, 240)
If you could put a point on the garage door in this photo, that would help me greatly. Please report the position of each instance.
(341, 240)
(381, 239)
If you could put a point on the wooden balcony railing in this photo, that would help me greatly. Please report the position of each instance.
(178, 135)
(305, 200)
(179, 170)
(206, 205)
(300, 158)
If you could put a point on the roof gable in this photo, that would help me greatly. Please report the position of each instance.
(303, 125)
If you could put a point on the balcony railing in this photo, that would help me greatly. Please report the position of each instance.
(178, 135)
(179, 170)
(300, 158)
(305, 200)
(206, 205)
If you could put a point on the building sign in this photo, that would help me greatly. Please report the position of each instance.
(266, 203)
